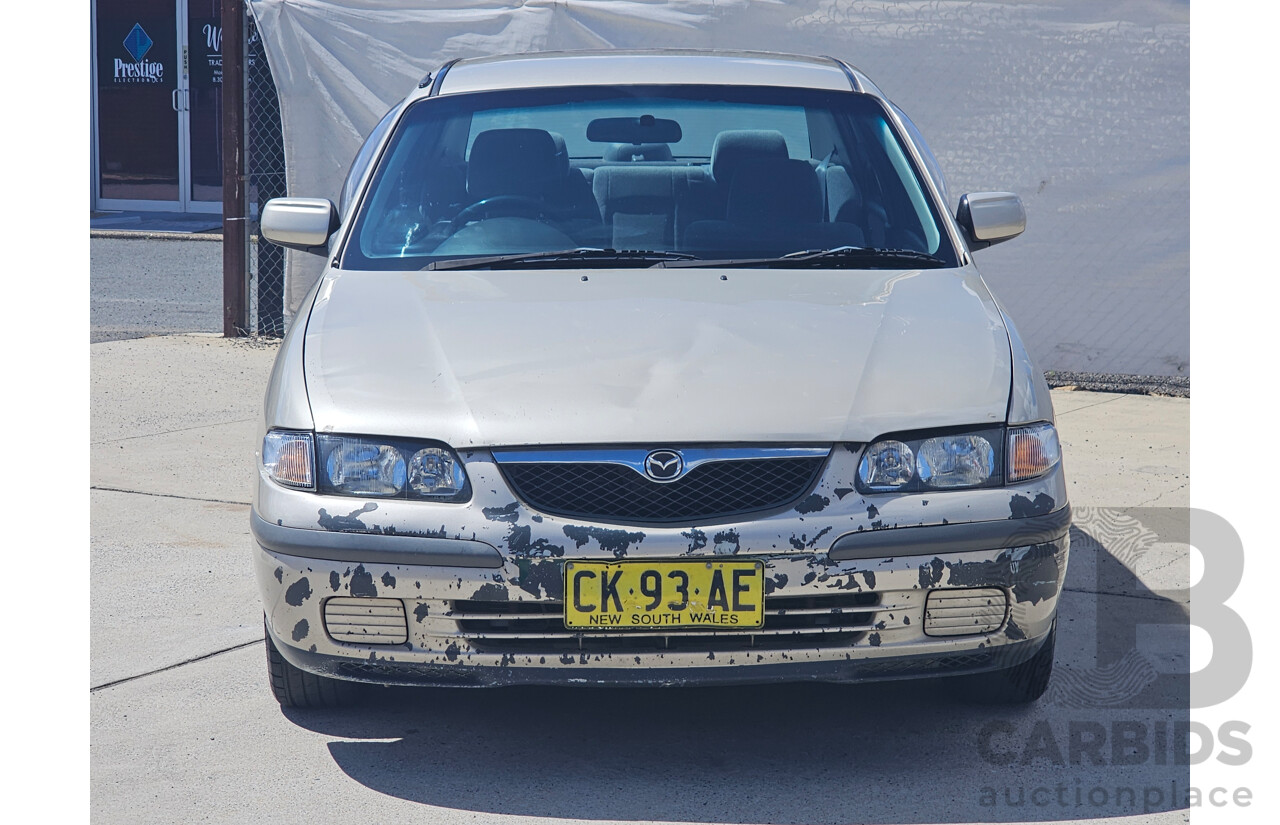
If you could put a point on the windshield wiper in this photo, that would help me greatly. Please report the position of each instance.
(852, 256)
(581, 257)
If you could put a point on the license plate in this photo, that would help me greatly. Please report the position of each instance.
(638, 595)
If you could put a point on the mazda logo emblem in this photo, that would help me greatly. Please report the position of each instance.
(664, 465)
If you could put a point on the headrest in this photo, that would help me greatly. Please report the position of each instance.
(734, 147)
(511, 162)
(773, 190)
(638, 151)
(562, 152)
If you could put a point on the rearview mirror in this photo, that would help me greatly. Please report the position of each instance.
(634, 130)
(991, 217)
(299, 223)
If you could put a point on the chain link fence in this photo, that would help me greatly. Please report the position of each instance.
(264, 166)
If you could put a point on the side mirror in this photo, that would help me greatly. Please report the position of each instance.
(991, 217)
(299, 223)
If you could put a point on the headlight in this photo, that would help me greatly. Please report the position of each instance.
(434, 471)
(938, 462)
(354, 465)
(361, 467)
(1033, 451)
(956, 461)
(887, 465)
(286, 456)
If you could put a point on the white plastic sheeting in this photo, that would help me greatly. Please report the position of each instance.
(1081, 107)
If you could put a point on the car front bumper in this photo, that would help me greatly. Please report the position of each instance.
(857, 576)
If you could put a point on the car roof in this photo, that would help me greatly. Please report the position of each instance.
(653, 66)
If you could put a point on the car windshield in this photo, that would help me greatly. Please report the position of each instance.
(674, 172)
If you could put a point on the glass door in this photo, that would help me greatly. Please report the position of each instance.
(204, 104)
(137, 90)
(158, 101)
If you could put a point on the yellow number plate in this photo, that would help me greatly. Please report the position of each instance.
(637, 595)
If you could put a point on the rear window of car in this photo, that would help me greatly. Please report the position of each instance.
(711, 172)
(700, 122)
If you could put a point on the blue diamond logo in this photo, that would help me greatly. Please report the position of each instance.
(137, 43)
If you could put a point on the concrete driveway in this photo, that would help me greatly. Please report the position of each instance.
(184, 728)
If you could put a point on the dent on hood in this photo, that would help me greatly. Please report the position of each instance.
(624, 352)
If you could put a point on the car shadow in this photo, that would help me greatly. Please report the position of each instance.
(901, 752)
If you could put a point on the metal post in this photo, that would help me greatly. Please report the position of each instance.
(235, 238)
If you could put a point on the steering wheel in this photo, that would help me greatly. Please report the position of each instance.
(516, 206)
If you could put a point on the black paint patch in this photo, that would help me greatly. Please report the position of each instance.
(611, 541)
(1030, 572)
(813, 504)
(421, 534)
(566, 658)
(727, 537)
(519, 542)
(808, 577)
(298, 592)
(362, 583)
(778, 582)
(1022, 507)
(697, 540)
(541, 579)
(451, 652)
(803, 541)
(874, 638)
(872, 512)
(1012, 631)
(420, 612)
(490, 592)
(509, 514)
(300, 630)
(870, 578)
(334, 581)
(931, 573)
(280, 574)
(349, 523)
(388, 580)
(841, 492)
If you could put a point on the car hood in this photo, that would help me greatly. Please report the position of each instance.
(670, 356)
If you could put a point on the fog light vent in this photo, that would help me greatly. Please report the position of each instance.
(366, 621)
(964, 612)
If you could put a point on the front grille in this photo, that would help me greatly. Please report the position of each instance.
(615, 493)
(818, 621)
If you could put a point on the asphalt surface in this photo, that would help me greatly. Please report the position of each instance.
(146, 286)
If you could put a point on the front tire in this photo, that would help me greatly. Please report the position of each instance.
(1021, 684)
(297, 688)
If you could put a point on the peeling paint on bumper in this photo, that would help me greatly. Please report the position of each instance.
(439, 651)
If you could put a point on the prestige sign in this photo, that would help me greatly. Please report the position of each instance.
(144, 71)
(137, 43)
